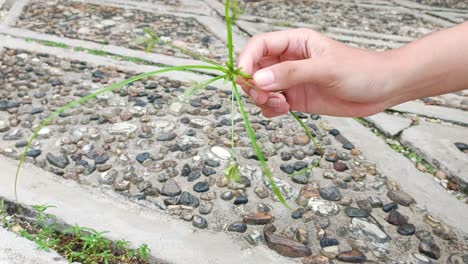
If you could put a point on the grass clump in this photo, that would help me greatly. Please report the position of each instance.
(76, 244)
(227, 72)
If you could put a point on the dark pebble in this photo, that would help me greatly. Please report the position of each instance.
(461, 146)
(186, 170)
(356, 212)
(348, 146)
(406, 229)
(334, 132)
(101, 159)
(188, 199)
(199, 222)
(390, 206)
(395, 218)
(167, 137)
(33, 153)
(212, 163)
(287, 168)
(297, 214)
(285, 156)
(142, 157)
(328, 242)
(431, 250)
(299, 165)
(340, 166)
(331, 193)
(241, 200)
(239, 227)
(208, 171)
(193, 176)
(201, 187)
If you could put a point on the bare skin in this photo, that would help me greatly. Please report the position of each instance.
(303, 70)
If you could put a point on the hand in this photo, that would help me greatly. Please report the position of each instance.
(305, 71)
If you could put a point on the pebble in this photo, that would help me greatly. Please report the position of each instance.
(328, 242)
(188, 199)
(395, 218)
(201, 187)
(33, 153)
(283, 245)
(257, 218)
(60, 161)
(353, 256)
(261, 191)
(331, 193)
(461, 146)
(406, 229)
(323, 207)
(287, 168)
(286, 156)
(369, 230)
(170, 188)
(297, 214)
(199, 222)
(227, 196)
(239, 227)
(424, 236)
(167, 137)
(241, 199)
(356, 212)
(389, 207)
(430, 250)
(340, 166)
(143, 157)
(206, 207)
(400, 197)
(300, 178)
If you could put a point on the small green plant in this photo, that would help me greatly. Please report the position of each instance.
(78, 244)
(6, 224)
(227, 72)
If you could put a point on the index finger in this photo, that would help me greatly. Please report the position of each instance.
(271, 44)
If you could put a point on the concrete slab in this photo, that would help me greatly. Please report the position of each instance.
(447, 114)
(396, 167)
(390, 125)
(435, 143)
(171, 240)
(18, 250)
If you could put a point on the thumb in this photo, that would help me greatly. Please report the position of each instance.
(286, 74)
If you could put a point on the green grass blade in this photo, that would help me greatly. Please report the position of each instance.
(189, 92)
(94, 95)
(309, 134)
(307, 131)
(229, 32)
(258, 151)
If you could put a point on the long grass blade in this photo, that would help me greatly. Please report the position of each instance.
(258, 151)
(199, 86)
(229, 32)
(92, 96)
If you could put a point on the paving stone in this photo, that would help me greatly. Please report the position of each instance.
(390, 125)
(435, 144)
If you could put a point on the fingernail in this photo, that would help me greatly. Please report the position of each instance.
(264, 77)
(254, 94)
(274, 103)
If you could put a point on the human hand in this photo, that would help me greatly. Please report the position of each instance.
(302, 70)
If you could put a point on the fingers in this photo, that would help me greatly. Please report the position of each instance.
(273, 44)
(281, 76)
(275, 106)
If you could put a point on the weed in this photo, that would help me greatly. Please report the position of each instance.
(227, 71)
(6, 224)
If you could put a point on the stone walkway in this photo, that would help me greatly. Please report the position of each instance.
(391, 188)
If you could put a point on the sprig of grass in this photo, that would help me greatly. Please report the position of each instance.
(6, 224)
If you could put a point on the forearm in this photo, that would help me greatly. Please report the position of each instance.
(433, 65)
